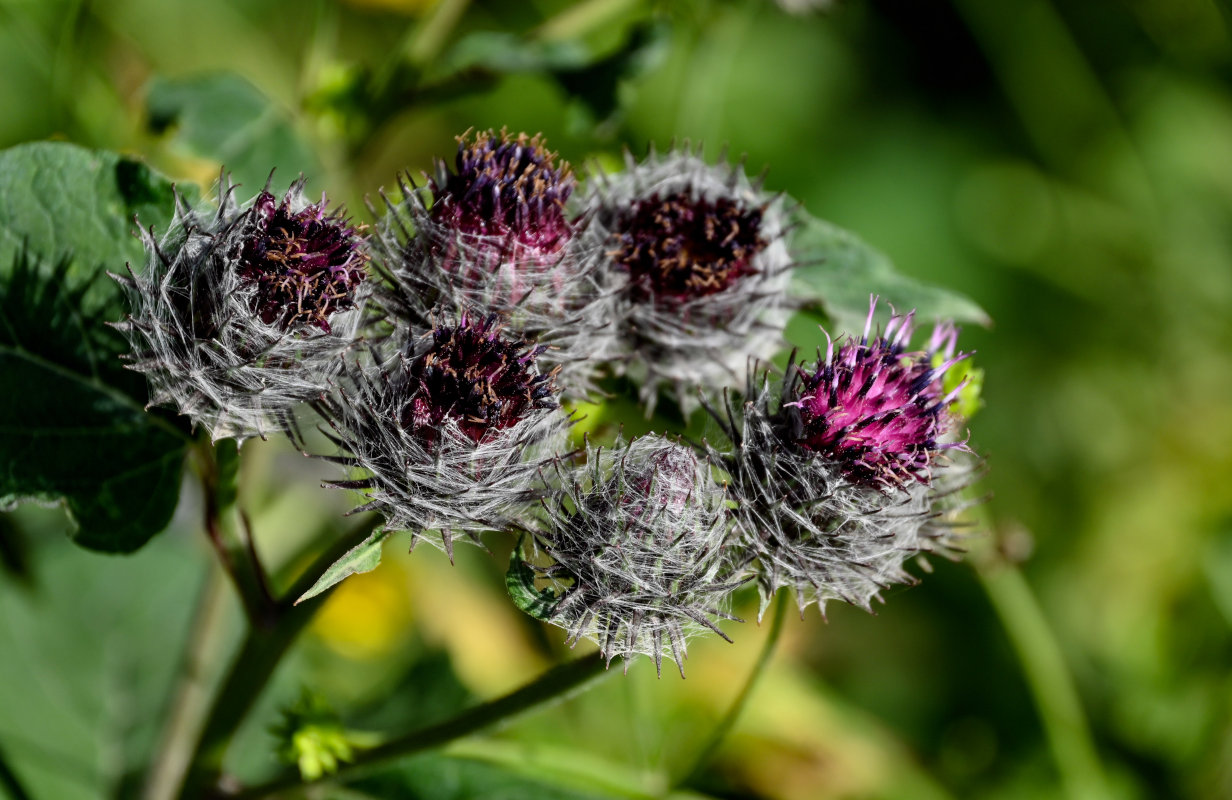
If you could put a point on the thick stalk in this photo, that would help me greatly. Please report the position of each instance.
(725, 725)
(228, 533)
(552, 685)
(259, 655)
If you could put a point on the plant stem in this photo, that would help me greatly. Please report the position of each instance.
(551, 685)
(725, 725)
(188, 703)
(259, 655)
(229, 534)
(1052, 688)
(429, 37)
(581, 18)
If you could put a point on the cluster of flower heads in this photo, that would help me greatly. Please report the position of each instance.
(435, 350)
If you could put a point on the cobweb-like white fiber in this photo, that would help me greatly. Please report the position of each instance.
(195, 334)
(638, 540)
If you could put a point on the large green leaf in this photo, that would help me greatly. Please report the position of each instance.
(58, 200)
(73, 427)
(87, 663)
(223, 118)
(840, 271)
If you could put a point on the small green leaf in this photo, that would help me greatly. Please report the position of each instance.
(364, 557)
(223, 118)
(840, 272)
(520, 582)
(77, 431)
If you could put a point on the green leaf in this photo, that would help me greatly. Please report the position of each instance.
(58, 201)
(90, 652)
(77, 431)
(223, 118)
(520, 583)
(364, 557)
(840, 272)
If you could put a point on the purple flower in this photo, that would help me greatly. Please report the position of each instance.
(872, 407)
(677, 248)
(477, 377)
(448, 435)
(698, 267)
(509, 188)
(305, 265)
(243, 312)
(844, 472)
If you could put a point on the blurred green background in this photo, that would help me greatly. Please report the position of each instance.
(1066, 164)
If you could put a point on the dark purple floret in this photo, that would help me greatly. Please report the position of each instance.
(876, 409)
(678, 247)
(507, 187)
(477, 377)
(305, 265)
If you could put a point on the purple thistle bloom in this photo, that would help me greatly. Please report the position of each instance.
(874, 408)
(243, 312)
(447, 436)
(677, 248)
(698, 265)
(838, 473)
(477, 377)
(510, 188)
(305, 265)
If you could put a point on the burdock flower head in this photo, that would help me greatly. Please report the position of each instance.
(447, 436)
(242, 314)
(495, 234)
(697, 260)
(876, 411)
(638, 546)
(851, 470)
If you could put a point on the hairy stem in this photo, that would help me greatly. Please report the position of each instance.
(259, 655)
(554, 684)
(725, 725)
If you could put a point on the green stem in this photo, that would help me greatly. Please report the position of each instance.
(1049, 680)
(259, 655)
(9, 781)
(720, 732)
(581, 18)
(189, 702)
(228, 533)
(429, 38)
(551, 685)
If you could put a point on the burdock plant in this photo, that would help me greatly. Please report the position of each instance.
(850, 468)
(496, 234)
(498, 288)
(638, 550)
(242, 313)
(446, 435)
(699, 267)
